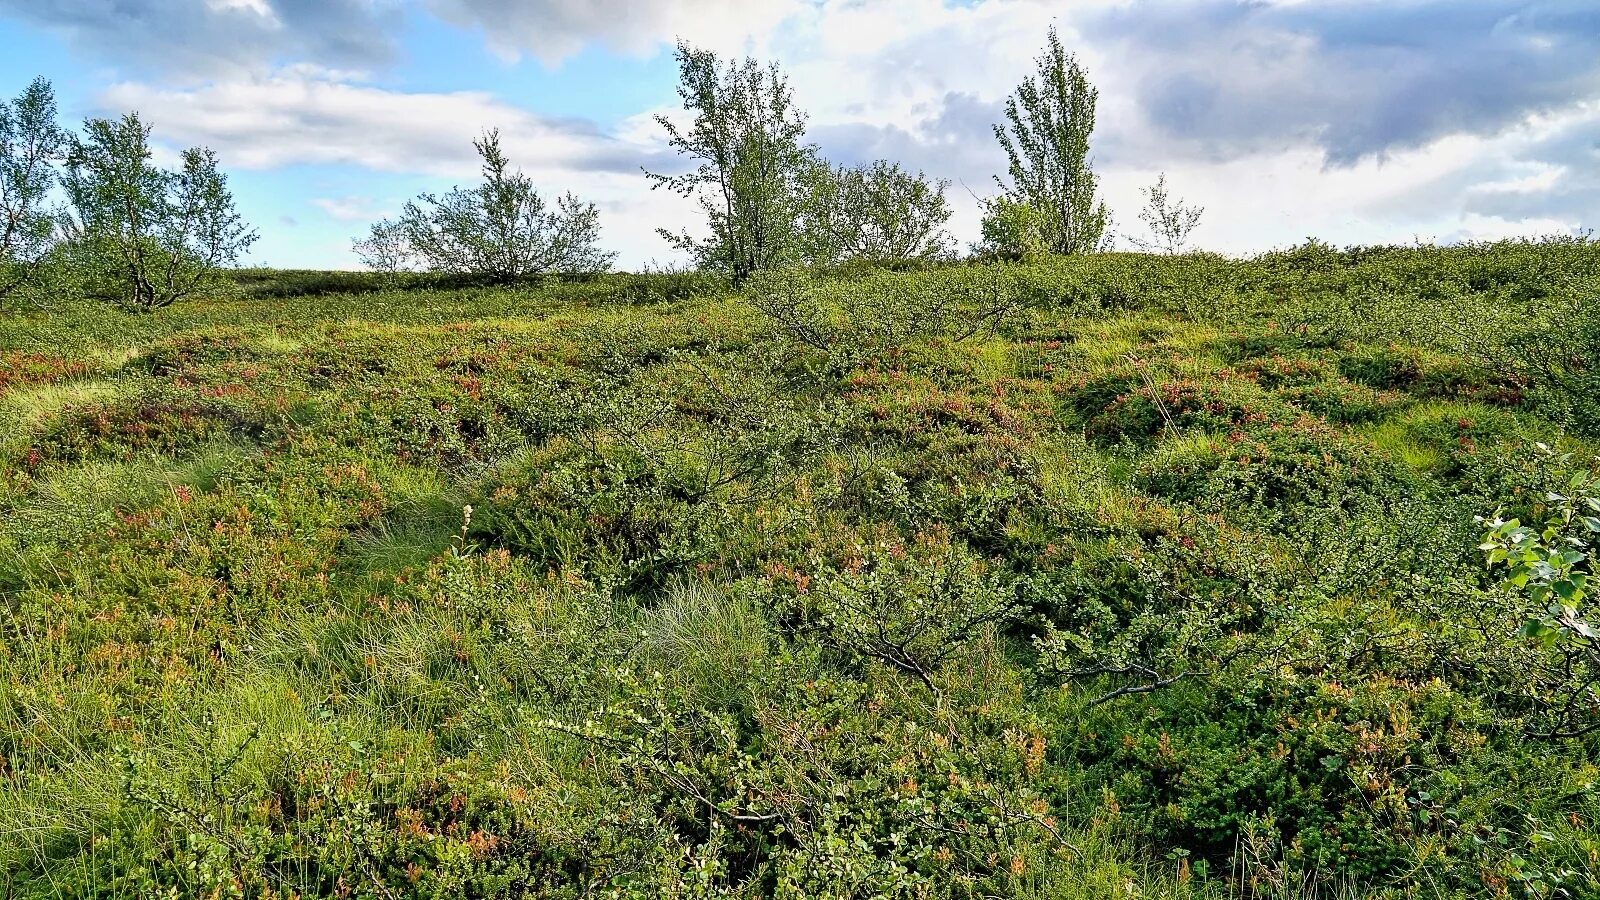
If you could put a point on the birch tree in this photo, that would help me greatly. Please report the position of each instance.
(1049, 120)
(746, 143)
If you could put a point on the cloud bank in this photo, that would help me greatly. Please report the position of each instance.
(1356, 120)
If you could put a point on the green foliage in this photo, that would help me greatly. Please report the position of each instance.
(846, 317)
(746, 144)
(1015, 229)
(30, 144)
(1051, 117)
(141, 236)
(877, 214)
(1549, 560)
(1170, 220)
(501, 230)
(910, 608)
(1519, 317)
(1108, 575)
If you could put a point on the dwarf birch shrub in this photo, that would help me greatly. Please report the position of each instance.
(882, 310)
(1169, 219)
(501, 230)
(877, 214)
(141, 236)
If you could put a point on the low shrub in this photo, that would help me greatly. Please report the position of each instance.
(1271, 471)
(1147, 404)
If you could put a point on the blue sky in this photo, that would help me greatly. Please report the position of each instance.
(1351, 120)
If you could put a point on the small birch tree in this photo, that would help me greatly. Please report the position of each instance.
(746, 141)
(141, 236)
(31, 144)
(1170, 220)
(501, 229)
(1046, 139)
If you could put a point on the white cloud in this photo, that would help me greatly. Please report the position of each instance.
(218, 37)
(305, 115)
(1460, 187)
(1354, 78)
(553, 30)
(308, 116)
(1507, 151)
(350, 209)
(259, 7)
(922, 82)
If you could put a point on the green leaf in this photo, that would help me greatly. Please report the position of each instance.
(1537, 629)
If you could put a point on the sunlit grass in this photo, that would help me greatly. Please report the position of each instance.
(247, 621)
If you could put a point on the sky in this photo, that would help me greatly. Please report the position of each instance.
(1354, 121)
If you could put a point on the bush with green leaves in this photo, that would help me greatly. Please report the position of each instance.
(746, 143)
(141, 236)
(876, 214)
(1169, 220)
(1013, 229)
(501, 230)
(1524, 314)
(31, 143)
(912, 608)
(881, 310)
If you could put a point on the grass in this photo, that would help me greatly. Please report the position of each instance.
(1164, 586)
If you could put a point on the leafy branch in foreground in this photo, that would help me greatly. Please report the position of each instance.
(1549, 559)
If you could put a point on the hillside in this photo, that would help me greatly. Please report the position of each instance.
(1120, 576)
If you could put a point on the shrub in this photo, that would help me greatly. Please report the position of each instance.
(884, 310)
(30, 145)
(1140, 405)
(1549, 560)
(1272, 472)
(145, 237)
(501, 230)
(877, 214)
(1170, 221)
(909, 608)
(1012, 229)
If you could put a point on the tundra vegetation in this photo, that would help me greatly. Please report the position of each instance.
(1112, 575)
(1039, 573)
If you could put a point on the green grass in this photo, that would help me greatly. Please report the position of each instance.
(735, 616)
